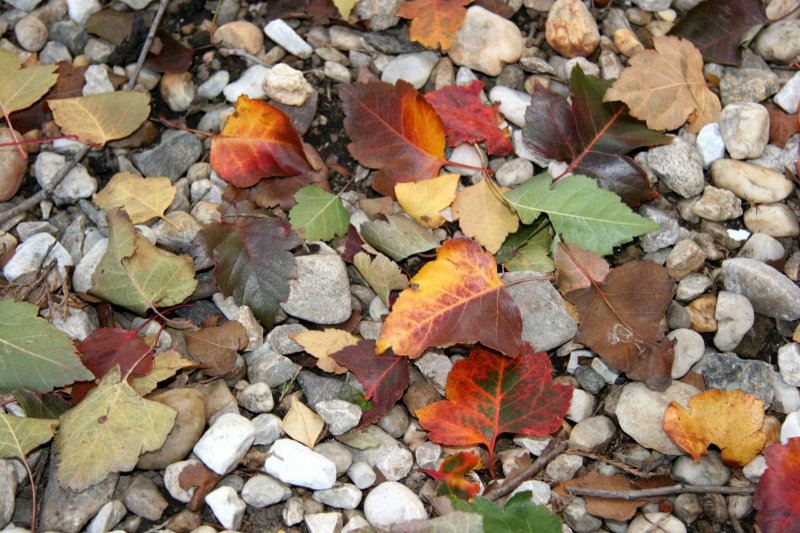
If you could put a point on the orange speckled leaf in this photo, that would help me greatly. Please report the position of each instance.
(730, 419)
(488, 394)
(395, 130)
(434, 22)
(450, 475)
(457, 298)
(258, 141)
(777, 496)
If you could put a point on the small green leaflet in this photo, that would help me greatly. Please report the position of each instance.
(318, 214)
(520, 515)
(528, 249)
(399, 237)
(382, 274)
(593, 218)
(18, 436)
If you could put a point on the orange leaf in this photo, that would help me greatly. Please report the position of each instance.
(451, 475)
(434, 21)
(777, 496)
(258, 141)
(730, 419)
(395, 130)
(457, 298)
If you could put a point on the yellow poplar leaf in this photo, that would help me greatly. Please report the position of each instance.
(481, 214)
(321, 344)
(424, 199)
(20, 435)
(19, 88)
(99, 118)
(165, 365)
(382, 274)
(302, 424)
(345, 7)
(142, 198)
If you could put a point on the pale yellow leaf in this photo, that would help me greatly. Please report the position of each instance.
(424, 199)
(302, 424)
(382, 274)
(142, 198)
(19, 88)
(345, 7)
(20, 435)
(484, 216)
(321, 344)
(165, 365)
(99, 118)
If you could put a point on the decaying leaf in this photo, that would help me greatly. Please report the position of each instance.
(382, 274)
(483, 215)
(21, 87)
(99, 118)
(777, 496)
(20, 435)
(202, 478)
(142, 198)
(217, 346)
(165, 365)
(399, 237)
(321, 344)
(302, 424)
(613, 508)
(35, 405)
(450, 476)
(424, 199)
(434, 22)
(318, 214)
(520, 515)
(730, 419)
(457, 298)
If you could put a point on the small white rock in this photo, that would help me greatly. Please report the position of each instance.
(391, 503)
(295, 464)
(341, 496)
(226, 506)
(323, 522)
(362, 475)
(511, 104)
(582, 405)
(283, 35)
(262, 490)
(225, 443)
(414, 68)
(250, 83)
(790, 427)
(710, 143)
(656, 523)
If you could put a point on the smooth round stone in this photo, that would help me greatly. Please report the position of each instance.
(391, 503)
(262, 490)
(745, 129)
(257, 398)
(31, 33)
(571, 29)
(486, 42)
(750, 182)
(762, 247)
(592, 433)
(213, 86)
(656, 523)
(395, 422)
(514, 172)
(190, 420)
(689, 348)
(564, 467)
(776, 220)
(780, 41)
(240, 35)
(512, 105)
(735, 317)
(413, 68)
(709, 470)
(336, 452)
(692, 286)
(581, 406)
(789, 363)
(178, 90)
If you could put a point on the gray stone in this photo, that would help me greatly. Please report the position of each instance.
(745, 128)
(70, 34)
(262, 491)
(269, 428)
(341, 416)
(68, 511)
(279, 337)
(391, 503)
(592, 433)
(710, 143)
(143, 498)
(709, 470)
(318, 388)
(340, 496)
(789, 95)
(35, 253)
(656, 523)
(108, 517)
(762, 247)
(390, 456)
(564, 467)
(321, 292)
(283, 35)
(589, 380)
(8, 489)
(361, 474)
(734, 316)
(514, 172)
(257, 398)
(576, 517)
(667, 233)
(728, 372)
(786, 398)
(380, 13)
(692, 286)
(789, 363)
(435, 367)
(747, 85)
(336, 452)
(679, 166)
(76, 184)
(486, 42)
(323, 522)
(689, 348)
(581, 406)
(395, 422)
(173, 156)
(268, 366)
(213, 86)
(780, 41)
(414, 68)
(771, 293)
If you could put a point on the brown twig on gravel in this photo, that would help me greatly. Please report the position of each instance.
(660, 491)
(514, 480)
(618, 464)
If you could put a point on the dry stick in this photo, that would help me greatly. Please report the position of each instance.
(514, 480)
(660, 491)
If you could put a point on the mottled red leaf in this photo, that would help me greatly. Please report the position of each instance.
(467, 120)
(434, 22)
(488, 394)
(172, 56)
(393, 129)
(777, 496)
(781, 125)
(591, 135)
(620, 312)
(280, 191)
(384, 376)
(450, 476)
(717, 27)
(352, 244)
(200, 476)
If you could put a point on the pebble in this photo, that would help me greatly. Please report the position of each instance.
(268, 366)
(251, 84)
(790, 427)
(68, 511)
(98, 51)
(84, 270)
(734, 315)
(36, 252)
(262, 490)
(728, 372)
(692, 286)
(709, 470)
(789, 95)
(710, 143)
(173, 156)
(225, 443)
(689, 348)
(747, 85)
(627, 42)
(31, 33)
(684, 258)
(667, 232)
(323, 522)
(283, 35)
(391, 503)
(269, 428)
(80, 10)
(656, 523)
(606, 371)
(745, 129)
(435, 367)
(779, 41)
(227, 507)
(213, 86)
(361, 474)
(76, 184)
(8, 489)
(776, 220)
(581, 407)
(172, 480)
(753, 470)
(295, 464)
(336, 72)
(511, 104)
(514, 172)
(770, 292)
(105, 519)
(571, 29)
(287, 86)
(317, 388)
(592, 433)
(701, 313)
(341, 496)
(486, 42)
(576, 517)
(786, 397)
(589, 379)
(178, 90)
(321, 292)
(395, 422)
(190, 421)
(564, 467)
(177, 231)
(143, 498)
(257, 398)
(750, 182)
(413, 68)
(789, 363)
(78, 324)
(679, 166)
(240, 35)
(762, 247)
(336, 452)
(717, 205)
(390, 457)
(640, 411)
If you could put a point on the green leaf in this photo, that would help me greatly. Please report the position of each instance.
(593, 218)
(41, 405)
(135, 274)
(18, 435)
(34, 354)
(382, 274)
(398, 237)
(318, 214)
(19, 88)
(528, 249)
(520, 515)
(107, 432)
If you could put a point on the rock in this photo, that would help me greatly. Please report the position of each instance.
(789, 363)
(570, 29)
(640, 411)
(262, 491)
(546, 324)
(31, 33)
(177, 230)
(592, 433)
(268, 366)
(413, 68)
(97, 81)
(108, 517)
(710, 143)
(656, 523)
(745, 128)
(178, 90)
(747, 85)
(283, 35)
(269, 428)
(336, 72)
(679, 166)
(486, 42)
(435, 367)
(98, 51)
(323, 522)
(321, 292)
(701, 313)
(589, 380)
(728, 372)
(750, 182)
(8, 489)
(317, 388)
(68, 511)
(780, 41)
(789, 96)
(241, 35)
(287, 86)
(190, 421)
(173, 156)
(753, 470)
(336, 452)
(361, 474)
(226, 506)
(576, 517)
(390, 457)
(735, 317)
(295, 464)
(257, 398)
(80, 10)
(684, 258)
(564, 467)
(12, 166)
(790, 427)
(762, 247)
(341, 416)
(395, 422)
(251, 84)
(692, 286)
(225, 443)
(718, 205)
(391, 503)
(82, 278)
(667, 232)
(627, 42)
(213, 86)
(512, 105)
(75, 185)
(172, 480)
(770, 292)
(776, 220)
(280, 338)
(514, 171)
(143, 498)
(219, 400)
(709, 470)
(786, 398)
(581, 407)
(689, 348)
(37, 252)
(341, 496)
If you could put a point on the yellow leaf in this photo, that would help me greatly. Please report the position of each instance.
(345, 7)
(483, 215)
(425, 198)
(19, 88)
(100, 118)
(321, 344)
(142, 198)
(382, 274)
(302, 424)
(165, 365)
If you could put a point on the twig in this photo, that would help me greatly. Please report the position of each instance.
(148, 42)
(244, 54)
(618, 464)
(515, 480)
(737, 527)
(660, 491)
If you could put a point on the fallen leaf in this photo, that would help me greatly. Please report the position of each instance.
(434, 22)
(399, 237)
(165, 365)
(781, 125)
(609, 508)
(252, 261)
(321, 344)
(112, 25)
(457, 298)
(520, 515)
(21, 87)
(344, 7)
(280, 191)
(202, 478)
(107, 432)
(777, 496)
(393, 129)
(467, 120)
(135, 274)
(384, 378)
(318, 214)
(527, 250)
(34, 405)
(620, 312)
(20, 435)
(34, 354)
(731, 419)
(504, 8)
(454, 522)
(172, 55)
(450, 476)
(666, 87)
(593, 218)
(382, 274)
(483, 215)
(383, 205)
(142, 198)
(99, 118)
(488, 395)
(718, 27)
(591, 135)
(424, 199)
(258, 141)
(217, 346)
(302, 424)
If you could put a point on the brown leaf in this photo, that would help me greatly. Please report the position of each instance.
(217, 347)
(302, 424)
(781, 125)
(613, 508)
(200, 476)
(321, 344)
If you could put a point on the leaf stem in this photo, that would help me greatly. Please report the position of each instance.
(184, 128)
(17, 142)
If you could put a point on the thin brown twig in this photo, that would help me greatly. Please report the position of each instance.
(515, 480)
(660, 491)
(618, 464)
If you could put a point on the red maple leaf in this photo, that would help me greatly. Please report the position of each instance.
(451, 476)
(777, 496)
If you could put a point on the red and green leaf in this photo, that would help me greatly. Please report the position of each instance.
(450, 476)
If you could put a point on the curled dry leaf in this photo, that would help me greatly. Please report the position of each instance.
(321, 344)
(302, 424)
(203, 478)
